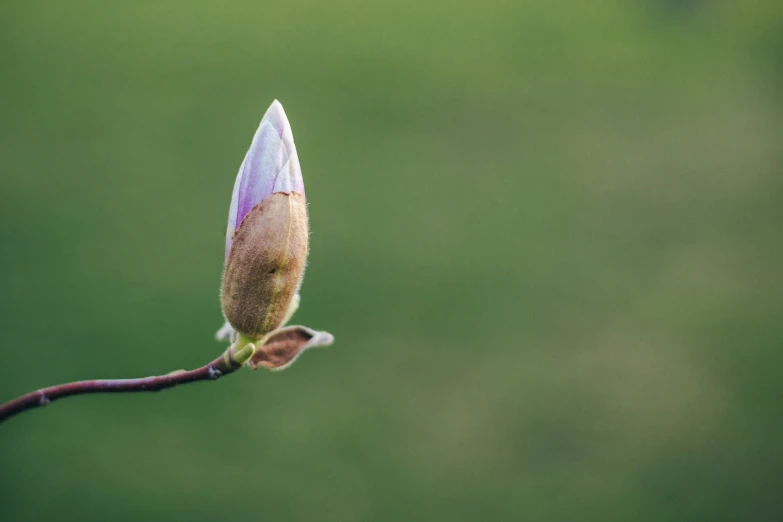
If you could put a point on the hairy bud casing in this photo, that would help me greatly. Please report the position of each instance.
(265, 264)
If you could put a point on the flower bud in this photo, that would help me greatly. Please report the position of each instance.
(266, 252)
(266, 240)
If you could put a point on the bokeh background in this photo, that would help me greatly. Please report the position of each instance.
(546, 235)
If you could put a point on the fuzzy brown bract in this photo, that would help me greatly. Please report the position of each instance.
(282, 347)
(265, 264)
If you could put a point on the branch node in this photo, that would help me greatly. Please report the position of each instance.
(43, 400)
(214, 374)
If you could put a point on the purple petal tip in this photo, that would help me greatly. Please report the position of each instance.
(270, 165)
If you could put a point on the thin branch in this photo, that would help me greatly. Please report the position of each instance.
(223, 365)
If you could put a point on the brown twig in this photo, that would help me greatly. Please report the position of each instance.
(223, 365)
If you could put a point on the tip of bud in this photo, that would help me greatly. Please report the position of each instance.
(275, 115)
(270, 165)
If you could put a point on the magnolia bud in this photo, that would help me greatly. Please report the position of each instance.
(266, 251)
(266, 240)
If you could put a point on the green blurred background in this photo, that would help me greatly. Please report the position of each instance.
(546, 235)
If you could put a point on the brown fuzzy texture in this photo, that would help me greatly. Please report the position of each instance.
(281, 349)
(265, 264)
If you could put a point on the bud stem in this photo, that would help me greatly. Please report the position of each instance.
(230, 361)
(243, 349)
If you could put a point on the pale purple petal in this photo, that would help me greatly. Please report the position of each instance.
(270, 165)
(261, 167)
(232, 211)
(290, 177)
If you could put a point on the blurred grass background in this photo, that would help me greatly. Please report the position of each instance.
(546, 235)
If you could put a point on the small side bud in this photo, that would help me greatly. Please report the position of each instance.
(265, 264)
